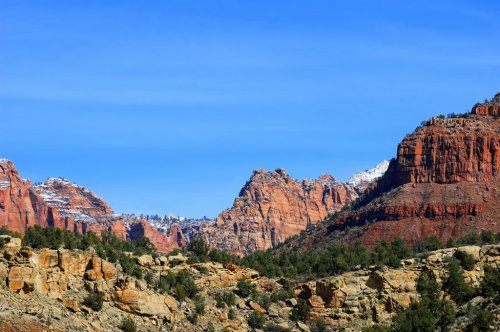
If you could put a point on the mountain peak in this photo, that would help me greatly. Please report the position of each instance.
(361, 180)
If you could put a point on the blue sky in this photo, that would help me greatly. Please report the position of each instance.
(168, 106)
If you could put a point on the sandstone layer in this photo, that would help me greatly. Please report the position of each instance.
(272, 206)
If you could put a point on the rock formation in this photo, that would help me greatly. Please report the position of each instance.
(445, 181)
(63, 204)
(272, 206)
(362, 180)
(163, 242)
(40, 287)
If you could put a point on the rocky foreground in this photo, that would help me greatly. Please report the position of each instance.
(43, 290)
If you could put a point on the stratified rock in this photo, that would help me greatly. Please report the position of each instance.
(162, 242)
(272, 206)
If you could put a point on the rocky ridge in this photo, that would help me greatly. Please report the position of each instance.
(444, 181)
(60, 203)
(272, 206)
(46, 287)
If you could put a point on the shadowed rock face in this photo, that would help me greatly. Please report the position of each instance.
(174, 239)
(444, 182)
(273, 206)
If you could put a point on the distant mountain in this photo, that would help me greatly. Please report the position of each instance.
(60, 203)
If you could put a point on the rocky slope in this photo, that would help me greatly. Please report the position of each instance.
(43, 289)
(63, 204)
(445, 181)
(273, 206)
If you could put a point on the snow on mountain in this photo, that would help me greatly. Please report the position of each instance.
(362, 179)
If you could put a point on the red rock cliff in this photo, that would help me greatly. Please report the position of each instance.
(445, 182)
(273, 206)
(163, 242)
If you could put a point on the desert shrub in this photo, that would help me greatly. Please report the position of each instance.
(180, 284)
(490, 285)
(480, 320)
(466, 260)
(271, 327)
(256, 320)
(210, 327)
(318, 326)
(93, 301)
(245, 288)
(418, 317)
(128, 325)
(231, 314)
(193, 318)
(198, 248)
(199, 304)
(378, 328)
(454, 284)
(149, 278)
(301, 311)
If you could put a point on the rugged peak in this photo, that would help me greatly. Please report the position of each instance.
(489, 107)
(5, 162)
(273, 206)
(362, 180)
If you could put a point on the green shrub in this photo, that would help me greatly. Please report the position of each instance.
(467, 261)
(245, 288)
(377, 328)
(418, 317)
(149, 278)
(490, 285)
(318, 326)
(481, 320)
(181, 284)
(256, 320)
(219, 301)
(210, 327)
(271, 327)
(199, 304)
(454, 284)
(231, 314)
(128, 325)
(199, 248)
(301, 311)
(93, 301)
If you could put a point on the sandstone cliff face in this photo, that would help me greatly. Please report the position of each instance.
(43, 285)
(20, 206)
(63, 204)
(273, 206)
(445, 181)
(163, 242)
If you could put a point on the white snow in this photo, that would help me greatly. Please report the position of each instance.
(4, 184)
(4, 161)
(369, 175)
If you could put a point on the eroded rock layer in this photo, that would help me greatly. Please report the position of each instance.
(272, 206)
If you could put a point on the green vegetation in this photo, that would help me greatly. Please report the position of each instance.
(93, 301)
(432, 313)
(271, 327)
(338, 258)
(245, 288)
(128, 325)
(226, 298)
(180, 285)
(301, 311)
(199, 304)
(256, 320)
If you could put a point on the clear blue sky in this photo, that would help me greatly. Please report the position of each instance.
(168, 106)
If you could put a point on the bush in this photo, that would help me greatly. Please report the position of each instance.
(199, 304)
(467, 261)
(245, 288)
(301, 311)
(418, 317)
(256, 320)
(377, 328)
(480, 319)
(454, 284)
(318, 326)
(199, 248)
(149, 278)
(93, 301)
(181, 284)
(490, 285)
(271, 327)
(231, 314)
(128, 325)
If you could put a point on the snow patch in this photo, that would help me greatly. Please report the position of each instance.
(369, 175)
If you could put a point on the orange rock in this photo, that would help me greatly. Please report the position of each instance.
(271, 207)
